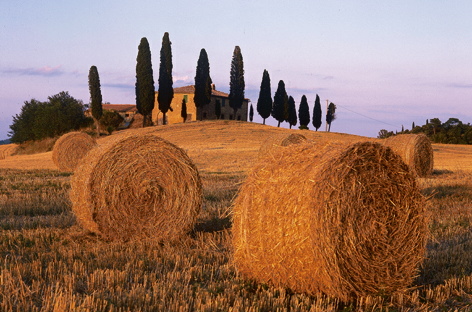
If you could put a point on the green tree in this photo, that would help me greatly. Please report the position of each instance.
(95, 97)
(317, 114)
(111, 120)
(280, 109)
(144, 83)
(203, 82)
(383, 134)
(264, 103)
(292, 112)
(166, 90)
(236, 85)
(38, 120)
(251, 113)
(330, 115)
(183, 111)
(304, 113)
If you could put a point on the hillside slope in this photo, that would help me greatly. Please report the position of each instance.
(233, 146)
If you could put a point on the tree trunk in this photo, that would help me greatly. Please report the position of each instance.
(164, 122)
(97, 126)
(263, 122)
(278, 125)
(147, 120)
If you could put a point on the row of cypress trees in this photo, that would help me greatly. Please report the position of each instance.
(282, 108)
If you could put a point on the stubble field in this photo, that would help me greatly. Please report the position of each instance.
(50, 264)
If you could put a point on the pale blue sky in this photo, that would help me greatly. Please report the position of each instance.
(385, 64)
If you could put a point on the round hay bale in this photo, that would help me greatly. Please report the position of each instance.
(138, 186)
(339, 219)
(273, 143)
(416, 151)
(70, 148)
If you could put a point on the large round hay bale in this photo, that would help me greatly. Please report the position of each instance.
(339, 219)
(70, 148)
(138, 186)
(416, 151)
(274, 142)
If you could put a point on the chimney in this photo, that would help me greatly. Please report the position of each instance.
(213, 86)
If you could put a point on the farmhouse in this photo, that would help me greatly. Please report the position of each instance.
(207, 112)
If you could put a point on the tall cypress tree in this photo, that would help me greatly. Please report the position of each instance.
(292, 112)
(264, 103)
(95, 97)
(304, 113)
(166, 91)
(144, 83)
(280, 108)
(317, 113)
(236, 85)
(330, 115)
(251, 113)
(203, 81)
(183, 111)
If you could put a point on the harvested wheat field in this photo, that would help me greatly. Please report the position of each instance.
(50, 263)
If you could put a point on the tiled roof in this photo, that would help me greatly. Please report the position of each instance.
(191, 90)
(120, 108)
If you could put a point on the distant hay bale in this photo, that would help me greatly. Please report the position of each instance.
(70, 148)
(281, 139)
(346, 220)
(138, 186)
(415, 150)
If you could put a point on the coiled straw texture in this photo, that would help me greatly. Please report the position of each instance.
(70, 148)
(346, 220)
(139, 186)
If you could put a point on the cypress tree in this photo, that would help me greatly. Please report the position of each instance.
(317, 113)
(144, 83)
(251, 113)
(166, 91)
(280, 103)
(292, 112)
(304, 113)
(183, 111)
(203, 81)
(218, 109)
(330, 115)
(264, 103)
(236, 85)
(95, 97)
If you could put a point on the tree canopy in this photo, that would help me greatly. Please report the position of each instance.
(203, 82)
(317, 114)
(95, 96)
(292, 112)
(453, 131)
(330, 115)
(236, 85)
(166, 89)
(37, 120)
(304, 113)
(144, 83)
(280, 109)
(264, 102)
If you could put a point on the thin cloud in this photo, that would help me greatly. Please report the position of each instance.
(460, 85)
(124, 86)
(45, 71)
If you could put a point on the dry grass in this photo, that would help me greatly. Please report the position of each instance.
(343, 219)
(50, 264)
(70, 148)
(415, 150)
(137, 186)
